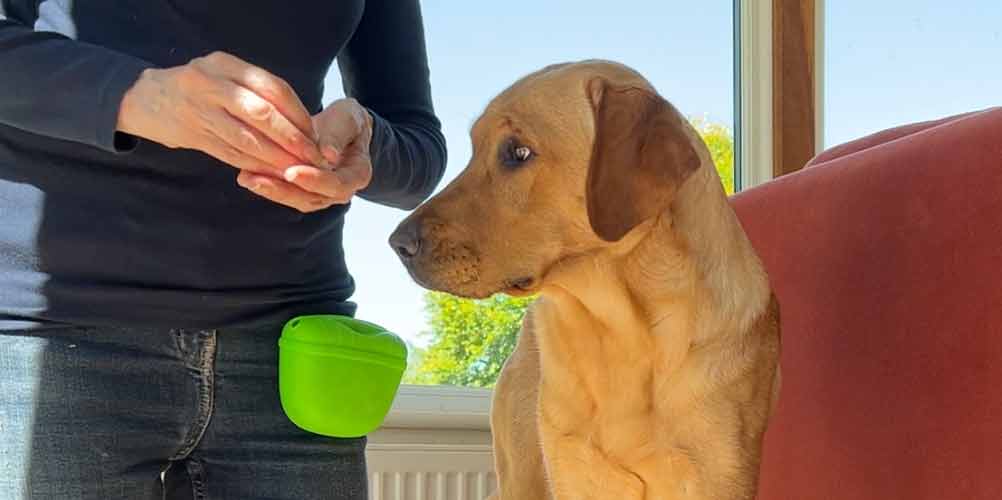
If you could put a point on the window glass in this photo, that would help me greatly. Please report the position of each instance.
(893, 62)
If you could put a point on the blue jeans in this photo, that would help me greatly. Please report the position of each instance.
(127, 414)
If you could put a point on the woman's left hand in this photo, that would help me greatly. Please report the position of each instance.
(345, 131)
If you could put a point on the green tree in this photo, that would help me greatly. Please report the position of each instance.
(469, 340)
(720, 141)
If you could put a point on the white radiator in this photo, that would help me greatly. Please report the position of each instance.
(431, 471)
(436, 446)
(430, 486)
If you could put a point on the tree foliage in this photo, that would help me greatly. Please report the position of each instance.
(720, 142)
(469, 340)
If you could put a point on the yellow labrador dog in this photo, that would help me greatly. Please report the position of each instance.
(648, 367)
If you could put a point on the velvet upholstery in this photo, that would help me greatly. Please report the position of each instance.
(886, 256)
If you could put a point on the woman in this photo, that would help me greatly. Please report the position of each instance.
(170, 194)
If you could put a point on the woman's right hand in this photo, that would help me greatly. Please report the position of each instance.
(220, 105)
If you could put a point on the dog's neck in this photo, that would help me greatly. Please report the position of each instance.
(694, 261)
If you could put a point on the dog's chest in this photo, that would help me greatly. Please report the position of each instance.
(599, 384)
(618, 399)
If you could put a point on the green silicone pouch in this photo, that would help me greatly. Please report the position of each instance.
(338, 376)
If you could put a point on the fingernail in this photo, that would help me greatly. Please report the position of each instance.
(252, 184)
(289, 175)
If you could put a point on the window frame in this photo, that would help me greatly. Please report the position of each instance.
(753, 92)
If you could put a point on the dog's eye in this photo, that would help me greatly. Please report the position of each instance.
(514, 154)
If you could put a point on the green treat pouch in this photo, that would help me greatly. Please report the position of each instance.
(338, 376)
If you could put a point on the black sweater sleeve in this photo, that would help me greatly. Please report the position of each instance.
(385, 67)
(57, 87)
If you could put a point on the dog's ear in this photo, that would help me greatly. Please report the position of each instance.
(641, 155)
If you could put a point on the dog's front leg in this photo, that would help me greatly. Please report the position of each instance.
(579, 471)
(518, 454)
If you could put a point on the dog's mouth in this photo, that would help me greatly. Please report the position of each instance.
(521, 287)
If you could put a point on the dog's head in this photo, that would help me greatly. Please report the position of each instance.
(566, 161)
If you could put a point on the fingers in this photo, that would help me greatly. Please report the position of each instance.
(307, 188)
(262, 115)
(338, 131)
(356, 171)
(251, 142)
(270, 87)
(222, 151)
(332, 184)
(265, 102)
(341, 125)
(330, 154)
(345, 130)
(283, 192)
(263, 129)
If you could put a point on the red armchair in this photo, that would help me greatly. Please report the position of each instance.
(886, 256)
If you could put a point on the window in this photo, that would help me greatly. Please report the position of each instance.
(686, 49)
(893, 63)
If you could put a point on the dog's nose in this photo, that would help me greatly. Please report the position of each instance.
(406, 240)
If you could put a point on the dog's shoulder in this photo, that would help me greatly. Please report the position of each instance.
(768, 323)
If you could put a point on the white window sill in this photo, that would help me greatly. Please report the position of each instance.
(440, 407)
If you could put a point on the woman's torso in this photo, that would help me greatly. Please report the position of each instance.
(160, 236)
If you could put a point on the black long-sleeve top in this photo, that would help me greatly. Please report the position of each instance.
(93, 233)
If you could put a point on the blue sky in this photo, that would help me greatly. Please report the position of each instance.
(890, 62)
(887, 63)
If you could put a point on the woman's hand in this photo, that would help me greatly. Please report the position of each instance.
(225, 107)
(345, 131)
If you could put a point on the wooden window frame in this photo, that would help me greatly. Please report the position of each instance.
(796, 81)
(780, 92)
